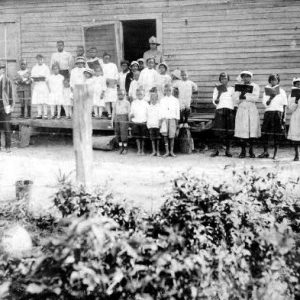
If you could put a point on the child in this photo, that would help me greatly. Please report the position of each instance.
(134, 86)
(122, 75)
(149, 77)
(68, 99)
(176, 77)
(294, 130)
(169, 116)
(138, 114)
(40, 94)
(186, 88)
(77, 76)
(90, 82)
(223, 99)
(141, 64)
(247, 122)
(153, 121)
(134, 66)
(93, 62)
(121, 120)
(56, 86)
(163, 79)
(99, 92)
(273, 125)
(23, 83)
(111, 75)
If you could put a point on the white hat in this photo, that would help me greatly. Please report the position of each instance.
(246, 73)
(134, 62)
(153, 40)
(80, 59)
(163, 64)
(140, 59)
(90, 71)
(176, 73)
(295, 79)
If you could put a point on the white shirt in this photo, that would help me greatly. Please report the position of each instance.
(169, 108)
(132, 89)
(186, 89)
(63, 59)
(148, 79)
(153, 115)
(122, 78)
(110, 71)
(77, 77)
(139, 110)
(40, 71)
(226, 99)
(277, 102)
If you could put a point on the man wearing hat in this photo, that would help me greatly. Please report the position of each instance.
(63, 59)
(153, 52)
(6, 105)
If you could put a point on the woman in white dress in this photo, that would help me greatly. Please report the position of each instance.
(111, 75)
(294, 130)
(56, 86)
(40, 94)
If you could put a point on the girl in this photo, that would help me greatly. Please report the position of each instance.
(153, 121)
(163, 79)
(138, 114)
(68, 99)
(90, 82)
(169, 116)
(247, 122)
(223, 99)
(149, 78)
(121, 120)
(56, 86)
(134, 66)
(123, 74)
(273, 125)
(111, 75)
(77, 76)
(40, 94)
(294, 130)
(134, 85)
(99, 92)
(176, 77)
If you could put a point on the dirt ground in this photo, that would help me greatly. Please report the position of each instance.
(139, 180)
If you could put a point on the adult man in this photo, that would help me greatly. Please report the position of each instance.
(153, 52)
(63, 59)
(6, 105)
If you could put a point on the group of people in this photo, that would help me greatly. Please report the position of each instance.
(146, 94)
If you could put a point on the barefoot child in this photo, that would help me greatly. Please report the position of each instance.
(68, 99)
(247, 122)
(294, 106)
(99, 92)
(121, 121)
(223, 99)
(138, 114)
(169, 116)
(40, 93)
(56, 86)
(153, 121)
(275, 101)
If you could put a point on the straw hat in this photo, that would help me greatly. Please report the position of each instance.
(176, 73)
(163, 64)
(153, 40)
(80, 59)
(246, 73)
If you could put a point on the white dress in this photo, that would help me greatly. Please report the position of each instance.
(99, 88)
(111, 75)
(77, 77)
(40, 93)
(294, 130)
(68, 96)
(56, 86)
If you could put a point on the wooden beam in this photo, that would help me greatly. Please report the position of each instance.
(82, 135)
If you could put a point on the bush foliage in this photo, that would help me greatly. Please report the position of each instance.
(234, 240)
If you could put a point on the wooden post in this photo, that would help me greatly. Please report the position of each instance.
(82, 135)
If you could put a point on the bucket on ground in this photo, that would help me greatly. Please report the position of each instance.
(23, 189)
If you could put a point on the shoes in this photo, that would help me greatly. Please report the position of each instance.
(252, 155)
(216, 153)
(39, 117)
(125, 151)
(228, 154)
(242, 154)
(264, 155)
(121, 150)
(296, 158)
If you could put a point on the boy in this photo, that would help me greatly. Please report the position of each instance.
(169, 116)
(123, 74)
(153, 121)
(121, 120)
(99, 92)
(138, 116)
(93, 62)
(77, 76)
(23, 82)
(186, 89)
(134, 86)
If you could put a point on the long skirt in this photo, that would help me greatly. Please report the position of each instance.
(273, 127)
(40, 93)
(294, 130)
(223, 125)
(121, 128)
(247, 122)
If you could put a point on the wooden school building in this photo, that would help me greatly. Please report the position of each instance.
(204, 37)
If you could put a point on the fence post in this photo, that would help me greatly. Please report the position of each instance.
(82, 135)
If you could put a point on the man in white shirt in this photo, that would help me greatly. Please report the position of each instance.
(63, 58)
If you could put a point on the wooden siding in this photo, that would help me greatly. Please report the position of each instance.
(204, 37)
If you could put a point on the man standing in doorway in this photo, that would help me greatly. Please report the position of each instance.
(6, 106)
(63, 59)
(153, 52)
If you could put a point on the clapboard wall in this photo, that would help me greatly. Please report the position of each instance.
(204, 37)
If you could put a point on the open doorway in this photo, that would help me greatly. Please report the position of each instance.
(136, 34)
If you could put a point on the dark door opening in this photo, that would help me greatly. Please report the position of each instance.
(136, 36)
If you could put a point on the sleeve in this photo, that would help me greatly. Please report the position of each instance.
(215, 95)
(265, 99)
(72, 79)
(161, 110)
(127, 82)
(177, 110)
(71, 62)
(284, 97)
(132, 108)
(141, 78)
(254, 97)
(116, 73)
(103, 83)
(52, 61)
(291, 103)
(194, 87)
